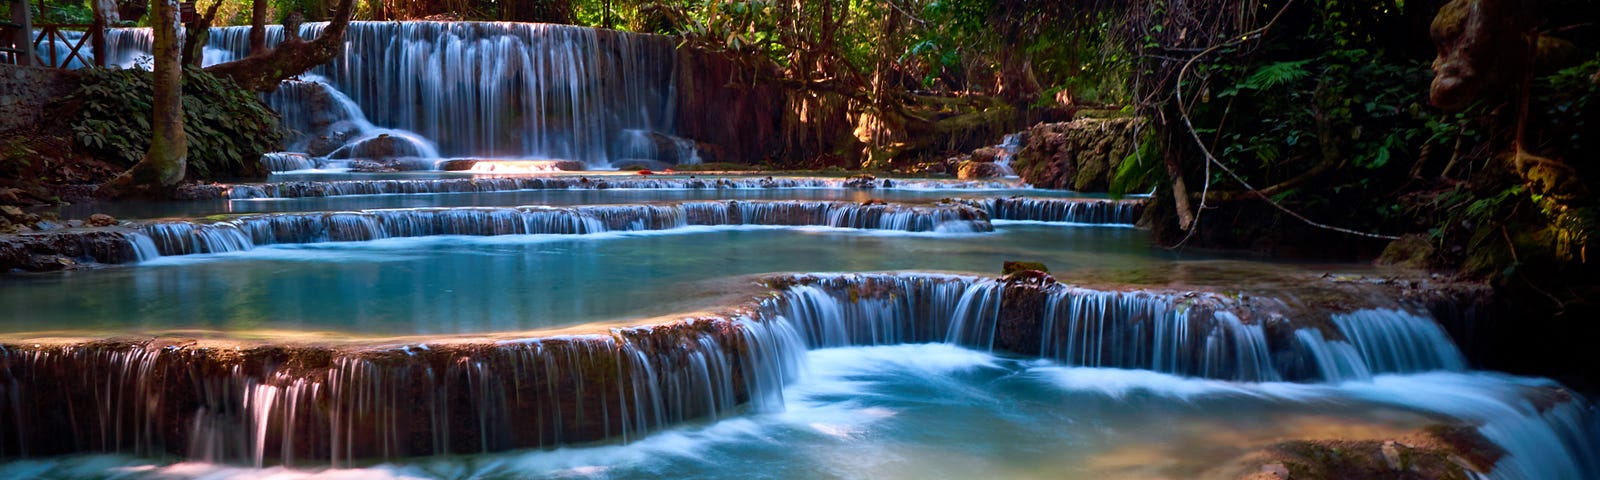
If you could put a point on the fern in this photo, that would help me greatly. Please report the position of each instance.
(1277, 74)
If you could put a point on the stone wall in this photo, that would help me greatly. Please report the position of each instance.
(24, 91)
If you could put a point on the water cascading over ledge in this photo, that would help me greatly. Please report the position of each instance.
(1190, 333)
(307, 404)
(487, 89)
(306, 189)
(1062, 210)
(244, 233)
(132, 242)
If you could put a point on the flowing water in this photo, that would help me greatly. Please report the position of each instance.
(441, 325)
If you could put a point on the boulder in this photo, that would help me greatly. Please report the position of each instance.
(976, 170)
(1081, 155)
(1011, 267)
(379, 148)
(101, 220)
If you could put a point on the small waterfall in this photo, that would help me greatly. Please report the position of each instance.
(1204, 336)
(1008, 148)
(244, 233)
(324, 122)
(1064, 210)
(1394, 341)
(1337, 361)
(144, 248)
(285, 162)
(510, 184)
(1071, 325)
(325, 406)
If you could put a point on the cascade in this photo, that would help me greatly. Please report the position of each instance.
(1066, 210)
(324, 122)
(247, 232)
(558, 91)
(302, 189)
(1203, 336)
(322, 405)
(1397, 341)
(319, 405)
(1008, 148)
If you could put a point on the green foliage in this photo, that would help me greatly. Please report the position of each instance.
(1276, 74)
(228, 128)
(1141, 170)
(68, 12)
(1569, 100)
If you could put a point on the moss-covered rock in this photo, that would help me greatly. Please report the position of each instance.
(1410, 251)
(1080, 155)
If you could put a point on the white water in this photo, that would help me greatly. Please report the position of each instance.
(486, 90)
(940, 411)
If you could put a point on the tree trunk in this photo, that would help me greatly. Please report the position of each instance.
(258, 27)
(263, 72)
(199, 32)
(164, 164)
(22, 37)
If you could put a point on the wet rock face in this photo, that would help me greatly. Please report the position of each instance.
(976, 170)
(1481, 50)
(1019, 326)
(59, 250)
(381, 148)
(1081, 155)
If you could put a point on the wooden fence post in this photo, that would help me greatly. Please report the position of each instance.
(22, 35)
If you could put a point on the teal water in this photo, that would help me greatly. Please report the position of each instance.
(454, 284)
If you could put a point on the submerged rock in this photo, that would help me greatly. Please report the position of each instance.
(1440, 452)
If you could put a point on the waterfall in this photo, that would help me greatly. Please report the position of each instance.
(318, 405)
(284, 162)
(1396, 341)
(1062, 210)
(1074, 326)
(266, 406)
(303, 189)
(481, 90)
(324, 122)
(247, 232)
(1336, 361)
(1008, 148)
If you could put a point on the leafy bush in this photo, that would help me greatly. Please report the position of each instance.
(228, 128)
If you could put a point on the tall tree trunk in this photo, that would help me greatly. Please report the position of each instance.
(258, 27)
(164, 164)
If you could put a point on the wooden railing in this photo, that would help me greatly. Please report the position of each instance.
(52, 47)
(8, 55)
(52, 42)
